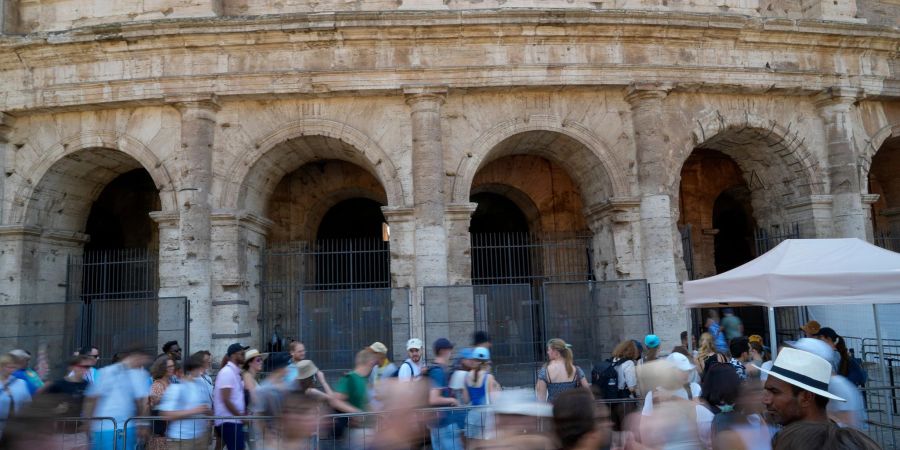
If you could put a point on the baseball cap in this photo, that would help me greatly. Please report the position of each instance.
(234, 348)
(481, 354)
(756, 338)
(414, 343)
(651, 341)
(466, 353)
(378, 347)
(19, 353)
(441, 344)
(680, 361)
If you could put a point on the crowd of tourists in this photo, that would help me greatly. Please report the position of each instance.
(726, 392)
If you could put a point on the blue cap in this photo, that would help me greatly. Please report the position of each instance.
(651, 341)
(466, 353)
(481, 354)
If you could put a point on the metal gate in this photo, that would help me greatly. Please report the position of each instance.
(687, 249)
(333, 295)
(335, 324)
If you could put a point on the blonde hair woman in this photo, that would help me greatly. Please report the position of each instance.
(559, 374)
(707, 353)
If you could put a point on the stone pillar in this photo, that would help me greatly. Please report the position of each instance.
(615, 225)
(660, 248)
(428, 188)
(192, 167)
(459, 252)
(7, 160)
(402, 223)
(815, 210)
(849, 215)
(18, 264)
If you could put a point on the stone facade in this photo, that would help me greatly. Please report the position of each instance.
(420, 105)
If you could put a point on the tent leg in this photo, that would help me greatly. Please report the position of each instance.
(884, 374)
(773, 334)
(690, 330)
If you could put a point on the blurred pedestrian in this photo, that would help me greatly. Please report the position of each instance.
(25, 373)
(686, 391)
(182, 403)
(298, 353)
(384, 369)
(731, 325)
(295, 424)
(845, 365)
(481, 339)
(675, 423)
(694, 376)
(250, 370)
(94, 353)
(797, 387)
(740, 355)
(162, 371)
(822, 436)
(353, 388)
(707, 354)
(68, 396)
(229, 400)
(559, 373)
(445, 433)
(480, 386)
(579, 423)
(206, 357)
(120, 391)
(273, 390)
(14, 393)
(714, 328)
(520, 423)
(411, 369)
(651, 341)
(850, 413)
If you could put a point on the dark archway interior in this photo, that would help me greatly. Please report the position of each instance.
(120, 217)
(353, 218)
(734, 223)
(497, 214)
(350, 250)
(500, 241)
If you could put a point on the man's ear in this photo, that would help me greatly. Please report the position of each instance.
(806, 398)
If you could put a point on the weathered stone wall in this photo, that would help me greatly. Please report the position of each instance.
(231, 118)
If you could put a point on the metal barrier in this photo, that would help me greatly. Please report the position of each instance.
(62, 433)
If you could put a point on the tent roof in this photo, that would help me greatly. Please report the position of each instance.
(801, 272)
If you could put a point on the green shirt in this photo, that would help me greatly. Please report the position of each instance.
(354, 387)
(732, 327)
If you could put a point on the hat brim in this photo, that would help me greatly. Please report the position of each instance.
(799, 384)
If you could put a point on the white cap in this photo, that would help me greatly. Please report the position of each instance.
(414, 343)
(680, 361)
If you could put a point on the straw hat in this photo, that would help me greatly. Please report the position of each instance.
(253, 353)
(306, 369)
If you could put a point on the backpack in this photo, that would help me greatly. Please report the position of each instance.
(856, 374)
(605, 379)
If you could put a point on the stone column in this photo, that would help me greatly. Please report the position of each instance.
(407, 309)
(615, 225)
(459, 243)
(428, 188)
(19, 264)
(660, 248)
(193, 178)
(848, 213)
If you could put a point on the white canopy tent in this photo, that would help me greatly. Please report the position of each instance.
(805, 272)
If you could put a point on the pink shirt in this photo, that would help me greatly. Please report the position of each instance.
(228, 378)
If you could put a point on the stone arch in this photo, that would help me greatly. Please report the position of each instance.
(716, 129)
(519, 198)
(872, 146)
(262, 167)
(594, 154)
(100, 156)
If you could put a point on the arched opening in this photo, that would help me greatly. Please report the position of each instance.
(351, 233)
(884, 180)
(499, 230)
(733, 203)
(733, 220)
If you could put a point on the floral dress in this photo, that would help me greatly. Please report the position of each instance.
(157, 389)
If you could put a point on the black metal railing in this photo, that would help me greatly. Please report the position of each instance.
(358, 263)
(887, 240)
(687, 248)
(112, 274)
(531, 258)
(767, 238)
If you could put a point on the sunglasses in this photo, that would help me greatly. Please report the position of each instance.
(94, 356)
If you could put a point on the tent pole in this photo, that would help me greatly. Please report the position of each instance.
(690, 331)
(883, 370)
(773, 335)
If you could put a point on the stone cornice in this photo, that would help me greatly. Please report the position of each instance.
(424, 93)
(245, 219)
(20, 230)
(460, 211)
(838, 97)
(201, 101)
(612, 206)
(394, 214)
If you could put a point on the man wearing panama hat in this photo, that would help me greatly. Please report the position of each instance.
(797, 387)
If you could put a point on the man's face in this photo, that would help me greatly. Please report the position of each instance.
(207, 362)
(298, 353)
(238, 358)
(781, 402)
(415, 354)
(175, 352)
(95, 356)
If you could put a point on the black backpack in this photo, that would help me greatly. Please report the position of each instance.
(605, 379)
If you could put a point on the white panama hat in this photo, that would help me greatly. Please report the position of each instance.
(804, 370)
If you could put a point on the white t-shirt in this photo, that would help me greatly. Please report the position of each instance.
(627, 375)
(116, 389)
(845, 389)
(182, 396)
(458, 380)
(681, 393)
(409, 371)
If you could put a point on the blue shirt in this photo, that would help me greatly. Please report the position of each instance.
(716, 330)
(116, 391)
(440, 379)
(183, 396)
